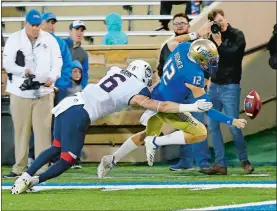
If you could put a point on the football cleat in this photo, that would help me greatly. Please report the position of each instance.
(21, 185)
(106, 165)
(150, 149)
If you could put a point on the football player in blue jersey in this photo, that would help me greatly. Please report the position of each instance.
(183, 77)
(118, 89)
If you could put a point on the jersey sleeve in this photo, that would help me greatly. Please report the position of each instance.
(145, 91)
(196, 79)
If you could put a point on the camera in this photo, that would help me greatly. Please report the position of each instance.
(215, 28)
(29, 84)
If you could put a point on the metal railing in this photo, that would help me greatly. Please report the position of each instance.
(99, 34)
(77, 3)
(128, 18)
(99, 18)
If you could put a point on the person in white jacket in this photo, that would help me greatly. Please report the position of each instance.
(31, 53)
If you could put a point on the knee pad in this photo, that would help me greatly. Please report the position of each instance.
(57, 143)
(69, 157)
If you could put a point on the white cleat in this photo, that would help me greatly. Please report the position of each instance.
(22, 185)
(150, 149)
(105, 166)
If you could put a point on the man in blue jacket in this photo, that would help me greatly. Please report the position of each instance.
(48, 24)
(76, 31)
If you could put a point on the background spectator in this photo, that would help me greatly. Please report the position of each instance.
(272, 49)
(206, 3)
(180, 26)
(195, 7)
(114, 36)
(75, 85)
(165, 9)
(224, 90)
(49, 21)
(31, 51)
(48, 24)
(76, 32)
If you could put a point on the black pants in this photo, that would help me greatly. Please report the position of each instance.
(166, 7)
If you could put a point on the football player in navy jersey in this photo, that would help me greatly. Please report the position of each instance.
(115, 91)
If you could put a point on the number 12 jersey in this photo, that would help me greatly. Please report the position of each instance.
(177, 71)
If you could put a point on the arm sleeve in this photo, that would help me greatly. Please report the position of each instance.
(146, 92)
(214, 114)
(85, 65)
(219, 117)
(9, 56)
(204, 96)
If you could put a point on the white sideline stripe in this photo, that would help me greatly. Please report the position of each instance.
(235, 206)
(126, 187)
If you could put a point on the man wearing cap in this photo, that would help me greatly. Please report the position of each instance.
(48, 24)
(76, 32)
(29, 53)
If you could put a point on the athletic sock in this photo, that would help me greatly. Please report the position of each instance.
(127, 147)
(176, 137)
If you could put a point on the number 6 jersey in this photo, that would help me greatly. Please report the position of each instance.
(111, 94)
(177, 71)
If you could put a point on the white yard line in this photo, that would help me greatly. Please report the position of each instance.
(234, 206)
(128, 187)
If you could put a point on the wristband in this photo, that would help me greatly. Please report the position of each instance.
(158, 106)
(188, 108)
(193, 35)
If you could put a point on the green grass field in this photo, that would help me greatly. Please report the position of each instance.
(262, 153)
(141, 199)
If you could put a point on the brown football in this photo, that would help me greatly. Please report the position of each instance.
(252, 104)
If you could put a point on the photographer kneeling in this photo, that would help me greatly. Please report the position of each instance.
(33, 61)
(224, 90)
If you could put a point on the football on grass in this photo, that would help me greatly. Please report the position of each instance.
(252, 104)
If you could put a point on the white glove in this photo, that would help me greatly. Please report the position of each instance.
(203, 106)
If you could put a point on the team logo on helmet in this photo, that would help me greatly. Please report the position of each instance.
(148, 72)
